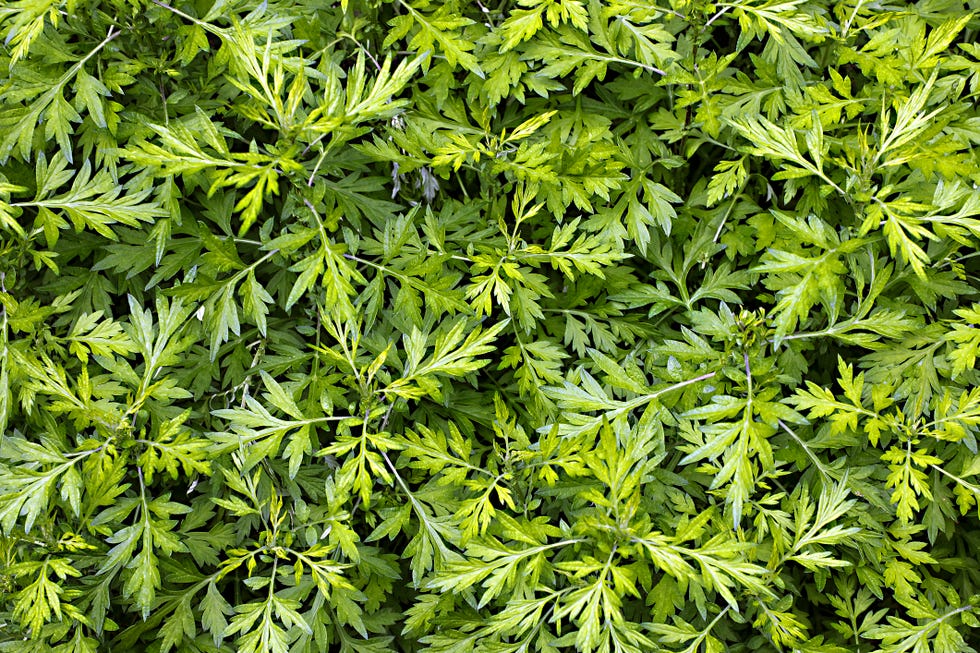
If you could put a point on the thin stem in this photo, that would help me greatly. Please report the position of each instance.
(718, 15)
(377, 266)
(748, 373)
(824, 470)
(724, 218)
(200, 23)
(850, 19)
(677, 386)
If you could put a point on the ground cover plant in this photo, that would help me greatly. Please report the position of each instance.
(449, 326)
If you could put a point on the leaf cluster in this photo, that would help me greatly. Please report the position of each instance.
(536, 326)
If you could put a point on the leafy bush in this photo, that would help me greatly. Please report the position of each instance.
(555, 325)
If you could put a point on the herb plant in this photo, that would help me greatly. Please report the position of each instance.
(539, 326)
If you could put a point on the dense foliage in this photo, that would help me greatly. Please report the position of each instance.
(433, 325)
